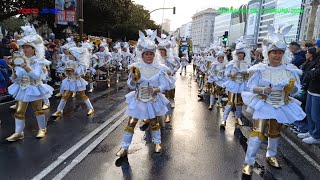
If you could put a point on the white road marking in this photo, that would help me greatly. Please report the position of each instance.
(308, 158)
(75, 147)
(85, 152)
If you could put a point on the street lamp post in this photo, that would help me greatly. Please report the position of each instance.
(174, 12)
(81, 20)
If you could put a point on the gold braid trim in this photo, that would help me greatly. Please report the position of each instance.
(41, 112)
(274, 135)
(129, 129)
(20, 117)
(257, 134)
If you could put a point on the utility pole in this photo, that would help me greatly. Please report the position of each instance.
(81, 20)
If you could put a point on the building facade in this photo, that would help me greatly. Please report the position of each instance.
(253, 21)
(202, 28)
(265, 18)
(185, 30)
(237, 25)
(311, 14)
(291, 17)
(222, 23)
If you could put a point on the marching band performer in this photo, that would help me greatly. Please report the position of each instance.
(167, 58)
(236, 71)
(75, 68)
(126, 56)
(269, 100)
(184, 63)
(63, 58)
(116, 60)
(29, 72)
(92, 65)
(148, 78)
(216, 78)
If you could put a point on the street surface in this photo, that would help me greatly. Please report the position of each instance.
(195, 147)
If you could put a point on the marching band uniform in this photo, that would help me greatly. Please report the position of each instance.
(74, 82)
(216, 78)
(126, 56)
(141, 103)
(103, 61)
(28, 86)
(63, 58)
(277, 107)
(173, 66)
(91, 71)
(184, 63)
(236, 71)
(116, 60)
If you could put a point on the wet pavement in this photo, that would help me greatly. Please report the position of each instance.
(195, 147)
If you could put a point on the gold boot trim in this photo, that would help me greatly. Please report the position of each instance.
(45, 107)
(247, 169)
(273, 162)
(257, 134)
(42, 133)
(57, 114)
(91, 111)
(122, 152)
(157, 148)
(15, 137)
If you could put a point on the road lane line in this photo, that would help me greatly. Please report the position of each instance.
(85, 152)
(75, 147)
(305, 155)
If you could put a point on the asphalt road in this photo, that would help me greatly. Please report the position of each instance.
(195, 147)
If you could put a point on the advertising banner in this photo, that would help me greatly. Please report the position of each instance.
(68, 12)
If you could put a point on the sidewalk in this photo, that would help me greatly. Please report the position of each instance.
(311, 150)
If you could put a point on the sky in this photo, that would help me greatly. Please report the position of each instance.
(184, 9)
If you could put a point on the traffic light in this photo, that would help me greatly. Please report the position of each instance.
(174, 10)
(225, 38)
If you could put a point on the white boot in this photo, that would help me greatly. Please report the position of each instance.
(272, 148)
(156, 136)
(88, 104)
(211, 100)
(20, 124)
(18, 135)
(127, 138)
(239, 112)
(252, 149)
(61, 105)
(42, 122)
(46, 101)
(226, 112)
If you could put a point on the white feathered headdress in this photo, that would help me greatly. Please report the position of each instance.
(30, 37)
(275, 40)
(242, 47)
(164, 42)
(147, 43)
(81, 54)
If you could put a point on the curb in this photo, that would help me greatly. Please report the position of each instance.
(311, 150)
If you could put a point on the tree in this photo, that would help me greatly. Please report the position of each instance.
(12, 24)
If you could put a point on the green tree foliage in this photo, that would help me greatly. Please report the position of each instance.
(12, 24)
(117, 19)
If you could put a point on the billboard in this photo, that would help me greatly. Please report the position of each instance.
(252, 22)
(68, 12)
